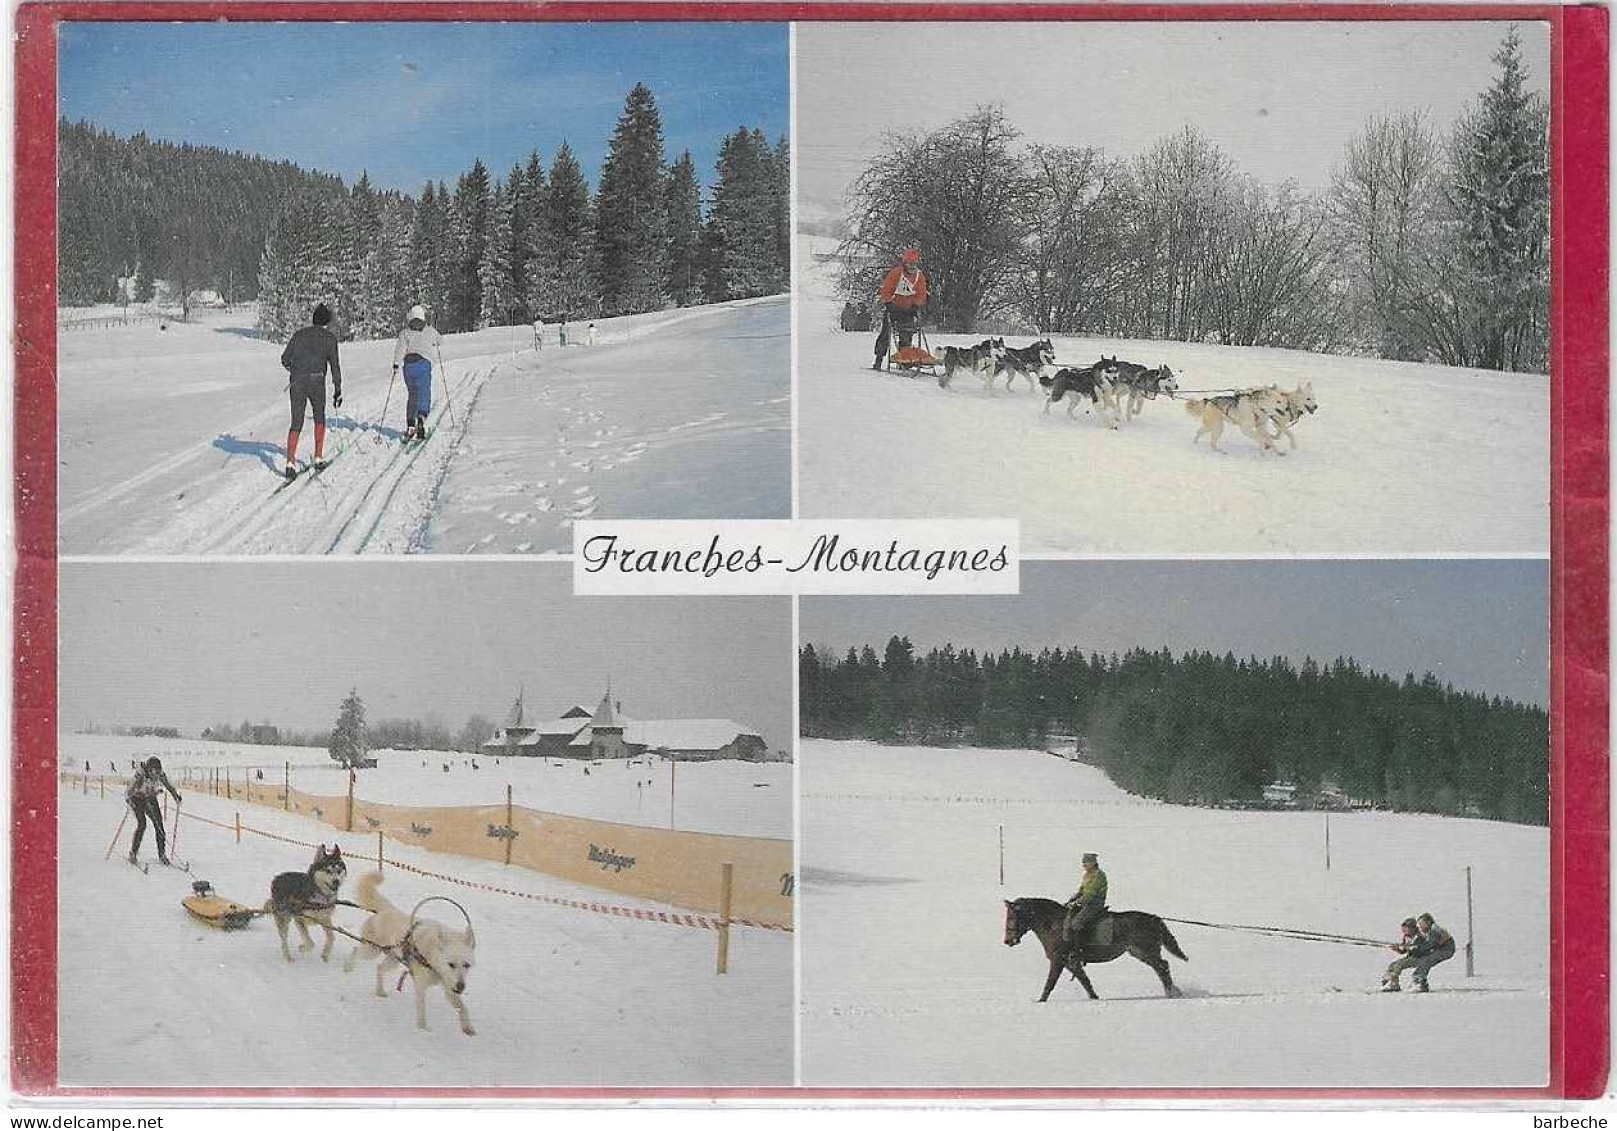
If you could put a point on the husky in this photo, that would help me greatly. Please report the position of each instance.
(1095, 382)
(434, 954)
(1142, 384)
(981, 359)
(297, 897)
(1248, 410)
(1283, 409)
(1027, 362)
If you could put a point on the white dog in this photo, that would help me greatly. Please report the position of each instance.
(435, 954)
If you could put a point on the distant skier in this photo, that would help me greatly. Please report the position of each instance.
(306, 357)
(142, 798)
(561, 333)
(538, 333)
(903, 296)
(1423, 946)
(418, 344)
(1086, 907)
(589, 337)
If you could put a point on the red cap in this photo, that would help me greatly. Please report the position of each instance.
(912, 255)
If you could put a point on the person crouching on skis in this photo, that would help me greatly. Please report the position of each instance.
(418, 344)
(306, 357)
(903, 296)
(142, 798)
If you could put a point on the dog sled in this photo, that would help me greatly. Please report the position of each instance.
(912, 358)
(208, 906)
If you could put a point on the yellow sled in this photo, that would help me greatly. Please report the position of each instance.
(215, 910)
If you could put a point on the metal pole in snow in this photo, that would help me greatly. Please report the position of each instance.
(672, 768)
(509, 826)
(1002, 856)
(1470, 930)
(1327, 840)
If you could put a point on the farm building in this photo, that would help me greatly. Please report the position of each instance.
(607, 732)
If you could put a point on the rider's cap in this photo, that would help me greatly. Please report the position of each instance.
(1090, 858)
(912, 255)
(418, 313)
(1410, 923)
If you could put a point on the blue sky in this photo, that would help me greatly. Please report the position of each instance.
(412, 101)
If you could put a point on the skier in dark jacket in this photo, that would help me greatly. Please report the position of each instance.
(142, 798)
(1086, 907)
(306, 357)
(1423, 946)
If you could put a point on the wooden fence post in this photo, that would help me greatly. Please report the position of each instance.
(672, 768)
(286, 794)
(350, 827)
(509, 826)
(379, 860)
(1470, 930)
(1002, 856)
(238, 826)
(103, 786)
(726, 876)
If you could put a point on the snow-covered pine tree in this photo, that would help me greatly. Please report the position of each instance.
(349, 743)
(744, 260)
(780, 168)
(526, 188)
(468, 233)
(631, 216)
(684, 198)
(430, 255)
(1500, 197)
(300, 266)
(497, 296)
(560, 283)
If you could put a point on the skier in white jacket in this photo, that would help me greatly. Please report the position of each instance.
(418, 344)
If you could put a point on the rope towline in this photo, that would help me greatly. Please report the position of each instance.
(1299, 933)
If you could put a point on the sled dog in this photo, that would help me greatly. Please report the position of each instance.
(1094, 382)
(299, 897)
(1250, 410)
(981, 359)
(434, 954)
(1027, 362)
(1141, 384)
(1283, 409)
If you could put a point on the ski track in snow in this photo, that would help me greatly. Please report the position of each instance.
(674, 414)
(690, 422)
(914, 986)
(1400, 459)
(559, 996)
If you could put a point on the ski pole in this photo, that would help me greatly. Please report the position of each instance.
(117, 834)
(382, 421)
(173, 841)
(449, 401)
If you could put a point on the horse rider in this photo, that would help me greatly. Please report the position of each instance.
(903, 296)
(1086, 907)
(1423, 946)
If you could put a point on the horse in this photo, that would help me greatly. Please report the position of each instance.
(1138, 933)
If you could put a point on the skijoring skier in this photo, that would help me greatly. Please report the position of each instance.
(1423, 946)
(418, 344)
(306, 358)
(142, 798)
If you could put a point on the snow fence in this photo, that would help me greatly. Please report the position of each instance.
(685, 869)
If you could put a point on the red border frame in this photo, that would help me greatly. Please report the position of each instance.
(1580, 519)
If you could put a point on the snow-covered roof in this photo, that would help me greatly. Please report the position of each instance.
(603, 714)
(685, 734)
(564, 727)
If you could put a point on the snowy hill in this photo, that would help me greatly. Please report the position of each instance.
(559, 995)
(172, 441)
(1400, 458)
(906, 980)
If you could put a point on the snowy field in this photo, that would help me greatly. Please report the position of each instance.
(559, 996)
(906, 980)
(172, 441)
(730, 797)
(1400, 458)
